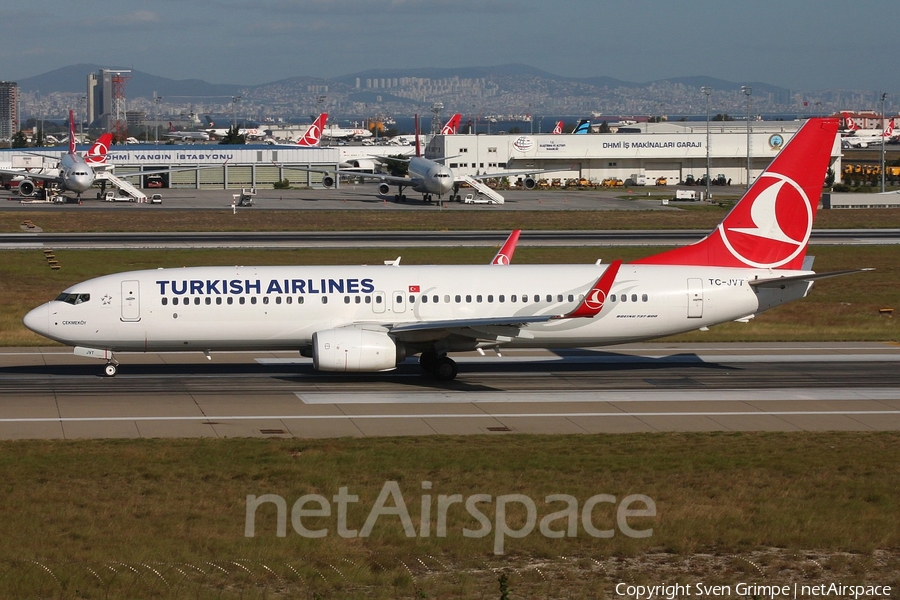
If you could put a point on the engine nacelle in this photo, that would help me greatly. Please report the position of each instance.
(353, 349)
(328, 181)
(363, 164)
(529, 183)
(26, 187)
(384, 189)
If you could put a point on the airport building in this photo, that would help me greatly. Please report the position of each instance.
(671, 150)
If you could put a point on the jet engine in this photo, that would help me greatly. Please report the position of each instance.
(363, 164)
(353, 349)
(529, 183)
(328, 181)
(384, 189)
(26, 187)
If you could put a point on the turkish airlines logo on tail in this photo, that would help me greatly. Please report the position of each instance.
(771, 229)
(559, 127)
(314, 133)
(452, 126)
(96, 154)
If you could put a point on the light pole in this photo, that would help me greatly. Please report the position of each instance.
(707, 91)
(883, 96)
(747, 90)
(157, 99)
(234, 103)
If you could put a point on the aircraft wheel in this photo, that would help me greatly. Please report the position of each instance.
(396, 197)
(111, 370)
(445, 369)
(428, 360)
(402, 198)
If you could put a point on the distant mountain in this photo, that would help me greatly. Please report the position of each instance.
(73, 79)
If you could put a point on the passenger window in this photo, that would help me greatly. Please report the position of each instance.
(324, 299)
(218, 300)
(501, 298)
(478, 298)
(490, 298)
(358, 299)
(512, 298)
(175, 301)
(624, 297)
(634, 297)
(377, 299)
(435, 299)
(165, 301)
(644, 298)
(468, 298)
(368, 299)
(208, 300)
(277, 299)
(458, 298)
(612, 298)
(571, 298)
(289, 299)
(265, 299)
(300, 299)
(559, 298)
(242, 300)
(253, 300)
(424, 299)
(197, 301)
(346, 299)
(230, 300)
(412, 299)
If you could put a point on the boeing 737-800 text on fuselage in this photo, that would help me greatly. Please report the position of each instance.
(369, 318)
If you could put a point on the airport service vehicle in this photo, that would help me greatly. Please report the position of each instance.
(114, 196)
(370, 318)
(156, 199)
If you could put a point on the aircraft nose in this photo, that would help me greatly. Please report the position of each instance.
(38, 320)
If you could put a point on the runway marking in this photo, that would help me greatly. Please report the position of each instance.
(211, 418)
(609, 396)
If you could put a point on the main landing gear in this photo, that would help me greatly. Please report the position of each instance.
(442, 368)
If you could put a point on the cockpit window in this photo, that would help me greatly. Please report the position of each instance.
(73, 298)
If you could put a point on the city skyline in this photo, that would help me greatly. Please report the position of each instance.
(803, 45)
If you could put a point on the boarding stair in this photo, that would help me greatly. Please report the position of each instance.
(492, 196)
(123, 185)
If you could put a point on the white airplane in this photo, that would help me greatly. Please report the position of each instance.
(186, 136)
(74, 172)
(370, 318)
(338, 133)
(311, 137)
(863, 138)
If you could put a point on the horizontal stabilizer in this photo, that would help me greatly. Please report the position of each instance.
(779, 281)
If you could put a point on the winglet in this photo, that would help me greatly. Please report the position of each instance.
(594, 300)
(504, 256)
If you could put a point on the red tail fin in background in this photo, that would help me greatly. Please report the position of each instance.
(96, 154)
(314, 133)
(452, 126)
(770, 226)
(418, 145)
(849, 123)
(72, 132)
(559, 127)
(505, 255)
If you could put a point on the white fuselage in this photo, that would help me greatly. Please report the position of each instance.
(75, 174)
(430, 177)
(279, 308)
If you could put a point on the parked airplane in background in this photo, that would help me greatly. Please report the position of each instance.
(313, 134)
(863, 138)
(74, 172)
(451, 126)
(558, 129)
(370, 318)
(186, 136)
(584, 126)
(338, 133)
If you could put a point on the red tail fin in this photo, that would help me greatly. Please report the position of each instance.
(96, 154)
(418, 146)
(314, 133)
(771, 224)
(505, 255)
(559, 127)
(452, 126)
(72, 132)
(849, 123)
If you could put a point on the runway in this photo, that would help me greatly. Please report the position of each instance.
(49, 393)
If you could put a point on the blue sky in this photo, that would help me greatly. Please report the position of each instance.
(800, 44)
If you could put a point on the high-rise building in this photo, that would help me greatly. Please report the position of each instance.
(106, 97)
(9, 109)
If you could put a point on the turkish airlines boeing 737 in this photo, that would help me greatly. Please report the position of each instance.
(369, 318)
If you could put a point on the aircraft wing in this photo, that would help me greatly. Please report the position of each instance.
(353, 173)
(518, 173)
(775, 282)
(29, 175)
(510, 326)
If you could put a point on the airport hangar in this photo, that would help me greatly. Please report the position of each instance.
(671, 150)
